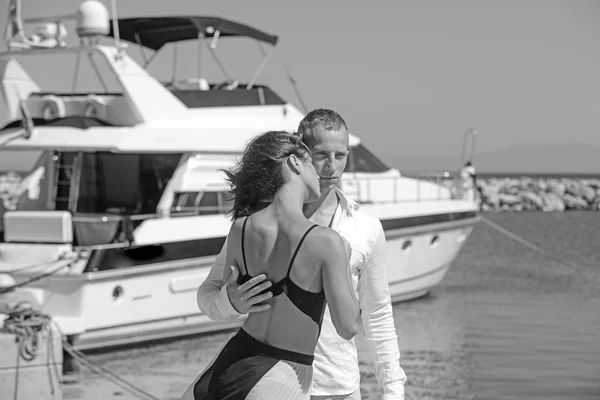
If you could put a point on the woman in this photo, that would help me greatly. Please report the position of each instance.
(271, 356)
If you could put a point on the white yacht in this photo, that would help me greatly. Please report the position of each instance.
(123, 208)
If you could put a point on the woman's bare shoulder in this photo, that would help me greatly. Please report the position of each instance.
(327, 242)
(236, 228)
(238, 223)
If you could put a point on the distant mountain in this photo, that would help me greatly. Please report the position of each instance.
(543, 158)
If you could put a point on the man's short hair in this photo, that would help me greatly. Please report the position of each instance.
(323, 117)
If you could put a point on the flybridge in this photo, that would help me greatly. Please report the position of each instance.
(140, 114)
(154, 33)
(138, 98)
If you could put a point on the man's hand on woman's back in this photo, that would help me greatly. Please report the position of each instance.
(246, 298)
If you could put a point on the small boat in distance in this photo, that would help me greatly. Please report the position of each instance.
(124, 207)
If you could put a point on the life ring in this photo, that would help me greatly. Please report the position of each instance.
(92, 108)
(53, 108)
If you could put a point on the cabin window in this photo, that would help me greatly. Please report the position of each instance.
(131, 183)
(201, 203)
(362, 160)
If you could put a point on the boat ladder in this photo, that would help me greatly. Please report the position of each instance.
(67, 171)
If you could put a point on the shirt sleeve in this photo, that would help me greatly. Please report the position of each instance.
(212, 296)
(378, 320)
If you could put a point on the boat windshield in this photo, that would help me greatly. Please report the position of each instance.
(362, 160)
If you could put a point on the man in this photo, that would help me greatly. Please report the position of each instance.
(336, 371)
(469, 177)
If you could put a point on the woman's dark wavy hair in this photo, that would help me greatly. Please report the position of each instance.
(258, 175)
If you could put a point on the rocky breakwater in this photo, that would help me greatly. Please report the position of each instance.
(530, 194)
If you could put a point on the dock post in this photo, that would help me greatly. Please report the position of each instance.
(71, 368)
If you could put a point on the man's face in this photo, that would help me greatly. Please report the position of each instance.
(329, 155)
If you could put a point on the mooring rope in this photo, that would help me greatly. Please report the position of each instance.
(526, 243)
(26, 324)
(29, 325)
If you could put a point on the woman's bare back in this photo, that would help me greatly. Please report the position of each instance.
(306, 265)
(265, 244)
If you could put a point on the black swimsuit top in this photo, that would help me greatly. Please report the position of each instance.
(310, 303)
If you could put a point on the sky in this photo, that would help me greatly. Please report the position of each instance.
(410, 77)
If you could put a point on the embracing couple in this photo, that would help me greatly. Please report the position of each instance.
(307, 267)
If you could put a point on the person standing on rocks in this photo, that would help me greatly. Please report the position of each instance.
(469, 180)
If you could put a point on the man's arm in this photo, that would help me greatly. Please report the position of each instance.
(221, 300)
(378, 320)
(212, 294)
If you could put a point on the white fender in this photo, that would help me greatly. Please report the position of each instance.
(94, 107)
(53, 108)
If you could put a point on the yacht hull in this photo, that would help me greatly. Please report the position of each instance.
(421, 258)
(121, 307)
(101, 310)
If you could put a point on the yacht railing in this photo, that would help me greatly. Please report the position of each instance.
(412, 186)
(444, 179)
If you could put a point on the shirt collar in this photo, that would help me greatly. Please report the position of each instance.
(348, 205)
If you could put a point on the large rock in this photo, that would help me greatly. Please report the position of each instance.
(553, 202)
(509, 199)
(531, 200)
(593, 183)
(574, 203)
(559, 188)
(511, 186)
(541, 186)
(589, 194)
(580, 190)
